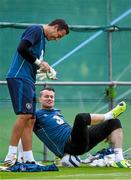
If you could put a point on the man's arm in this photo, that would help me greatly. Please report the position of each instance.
(23, 50)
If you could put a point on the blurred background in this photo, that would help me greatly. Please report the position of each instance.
(105, 58)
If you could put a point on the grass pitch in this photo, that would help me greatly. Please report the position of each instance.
(83, 172)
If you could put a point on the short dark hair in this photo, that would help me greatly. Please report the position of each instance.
(48, 89)
(61, 24)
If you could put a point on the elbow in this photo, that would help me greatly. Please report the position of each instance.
(20, 50)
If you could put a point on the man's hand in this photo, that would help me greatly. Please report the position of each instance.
(43, 66)
(49, 74)
(41, 76)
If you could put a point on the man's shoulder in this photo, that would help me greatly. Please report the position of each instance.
(34, 28)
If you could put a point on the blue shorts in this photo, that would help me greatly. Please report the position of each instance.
(23, 95)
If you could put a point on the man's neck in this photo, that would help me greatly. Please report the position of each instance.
(46, 108)
(45, 29)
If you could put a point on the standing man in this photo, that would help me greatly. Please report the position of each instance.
(21, 79)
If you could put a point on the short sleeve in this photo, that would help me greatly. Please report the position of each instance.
(32, 34)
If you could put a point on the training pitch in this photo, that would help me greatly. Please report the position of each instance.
(83, 172)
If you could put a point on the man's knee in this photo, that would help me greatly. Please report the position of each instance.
(83, 119)
(26, 119)
(115, 124)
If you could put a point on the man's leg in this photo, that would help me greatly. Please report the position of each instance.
(19, 128)
(80, 133)
(114, 113)
(20, 152)
(27, 141)
(116, 138)
(116, 141)
(111, 128)
(24, 106)
(15, 137)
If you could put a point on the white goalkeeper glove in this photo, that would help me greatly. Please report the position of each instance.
(41, 76)
(49, 74)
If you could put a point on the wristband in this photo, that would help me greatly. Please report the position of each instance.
(38, 62)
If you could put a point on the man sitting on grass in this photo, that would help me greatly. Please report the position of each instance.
(88, 129)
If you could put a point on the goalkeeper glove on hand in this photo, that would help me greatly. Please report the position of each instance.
(51, 74)
(43, 66)
(41, 76)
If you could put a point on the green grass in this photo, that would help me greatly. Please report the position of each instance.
(83, 172)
